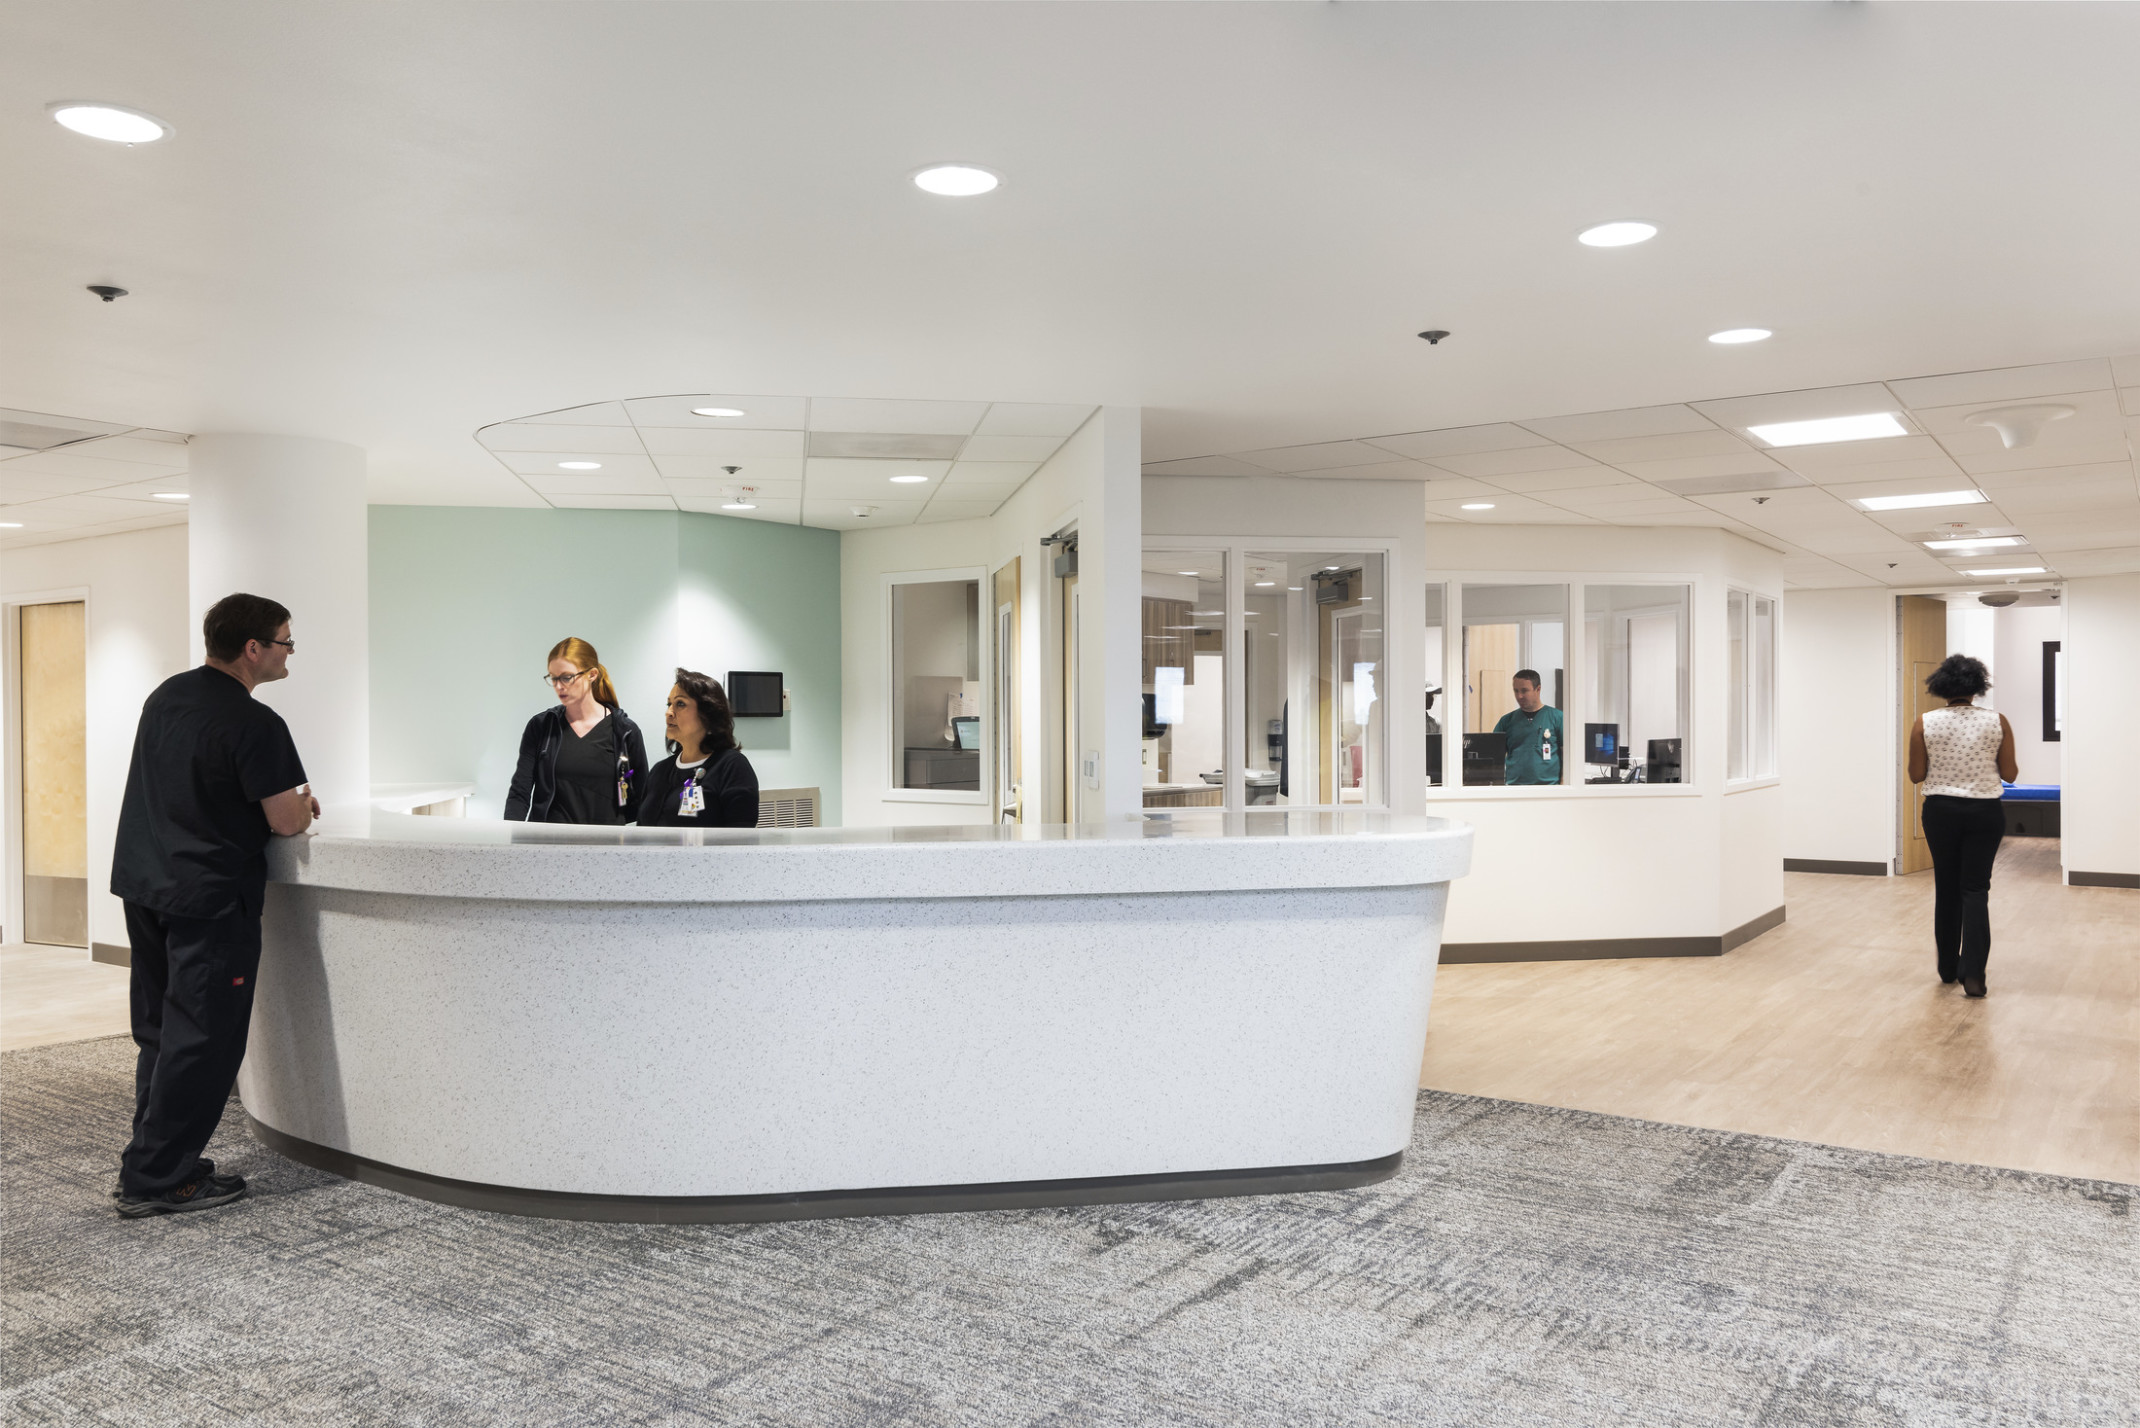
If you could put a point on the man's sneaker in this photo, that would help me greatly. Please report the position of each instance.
(202, 1194)
(203, 1169)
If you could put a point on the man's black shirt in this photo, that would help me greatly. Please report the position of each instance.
(192, 836)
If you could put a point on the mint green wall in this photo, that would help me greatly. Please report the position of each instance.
(467, 601)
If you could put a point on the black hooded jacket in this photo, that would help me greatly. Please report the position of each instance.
(534, 786)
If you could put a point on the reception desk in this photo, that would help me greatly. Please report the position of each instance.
(677, 1025)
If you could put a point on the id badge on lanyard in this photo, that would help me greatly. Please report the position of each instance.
(694, 799)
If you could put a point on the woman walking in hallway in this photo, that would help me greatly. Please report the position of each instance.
(1961, 754)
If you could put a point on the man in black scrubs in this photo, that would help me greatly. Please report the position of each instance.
(213, 774)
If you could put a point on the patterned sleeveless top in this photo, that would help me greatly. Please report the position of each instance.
(1962, 742)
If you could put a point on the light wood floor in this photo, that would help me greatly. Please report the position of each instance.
(50, 994)
(1835, 1027)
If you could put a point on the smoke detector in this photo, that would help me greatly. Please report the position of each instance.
(863, 513)
(2018, 426)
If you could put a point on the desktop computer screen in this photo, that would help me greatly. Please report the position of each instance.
(1601, 743)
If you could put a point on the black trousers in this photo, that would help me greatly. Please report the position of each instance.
(1963, 835)
(192, 1005)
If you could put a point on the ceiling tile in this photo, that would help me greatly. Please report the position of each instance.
(840, 516)
(2125, 371)
(1033, 419)
(1204, 466)
(1993, 482)
(708, 468)
(718, 490)
(1379, 471)
(1709, 468)
(1561, 479)
(583, 440)
(896, 417)
(133, 447)
(1828, 456)
(1621, 425)
(1585, 497)
(786, 512)
(608, 501)
(725, 445)
(1738, 413)
(2111, 560)
(873, 474)
(544, 463)
(1287, 460)
(1506, 508)
(18, 485)
(759, 412)
(2116, 492)
(66, 462)
(1488, 464)
(595, 483)
(1458, 441)
(1680, 447)
(589, 414)
(993, 472)
(945, 508)
(2002, 384)
(1009, 448)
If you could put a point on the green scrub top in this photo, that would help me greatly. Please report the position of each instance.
(1533, 745)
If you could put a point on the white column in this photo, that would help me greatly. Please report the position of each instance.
(284, 517)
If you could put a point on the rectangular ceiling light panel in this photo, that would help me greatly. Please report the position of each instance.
(2009, 570)
(1980, 543)
(1865, 427)
(1911, 503)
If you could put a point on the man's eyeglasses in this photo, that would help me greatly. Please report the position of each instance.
(559, 681)
(290, 645)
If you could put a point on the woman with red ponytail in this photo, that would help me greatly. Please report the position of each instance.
(582, 760)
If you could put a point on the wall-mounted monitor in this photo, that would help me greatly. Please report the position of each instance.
(755, 694)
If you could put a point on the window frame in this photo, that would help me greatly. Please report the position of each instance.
(888, 683)
(1575, 669)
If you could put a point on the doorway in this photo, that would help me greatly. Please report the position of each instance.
(50, 672)
(1922, 638)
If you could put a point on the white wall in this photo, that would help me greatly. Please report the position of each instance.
(1836, 712)
(138, 636)
(1089, 484)
(2101, 813)
(2018, 635)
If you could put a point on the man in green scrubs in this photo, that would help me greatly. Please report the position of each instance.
(1532, 729)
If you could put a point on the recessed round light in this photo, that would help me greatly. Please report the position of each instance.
(1293, 587)
(955, 180)
(1617, 235)
(719, 411)
(579, 465)
(1261, 583)
(1478, 505)
(172, 495)
(1185, 572)
(740, 506)
(111, 122)
(908, 480)
(1732, 336)
(10, 525)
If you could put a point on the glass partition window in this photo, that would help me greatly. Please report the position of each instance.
(1437, 705)
(1636, 687)
(1184, 679)
(936, 685)
(1313, 677)
(1515, 672)
(1751, 633)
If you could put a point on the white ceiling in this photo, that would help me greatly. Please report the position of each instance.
(826, 462)
(388, 224)
(2072, 496)
(75, 479)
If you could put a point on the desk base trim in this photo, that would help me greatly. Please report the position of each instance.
(828, 1204)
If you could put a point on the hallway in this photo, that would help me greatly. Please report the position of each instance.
(1834, 1028)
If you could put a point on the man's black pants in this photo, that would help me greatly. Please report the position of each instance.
(1963, 835)
(193, 1005)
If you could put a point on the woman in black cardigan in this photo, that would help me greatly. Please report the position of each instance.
(705, 782)
(581, 760)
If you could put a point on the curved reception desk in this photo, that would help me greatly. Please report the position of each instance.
(675, 1025)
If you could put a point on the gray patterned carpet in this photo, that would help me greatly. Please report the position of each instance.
(1530, 1266)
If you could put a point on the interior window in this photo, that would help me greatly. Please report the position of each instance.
(1184, 758)
(1635, 663)
(936, 685)
(1515, 654)
(1313, 673)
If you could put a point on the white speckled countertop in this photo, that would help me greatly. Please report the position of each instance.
(374, 851)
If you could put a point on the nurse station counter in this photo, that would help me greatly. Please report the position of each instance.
(686, 1025)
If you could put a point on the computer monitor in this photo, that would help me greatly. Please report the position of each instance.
(1485, 758)
(1664, 761)
(1601, 743)
(1434, 758)
(755, 694)
(968, 728)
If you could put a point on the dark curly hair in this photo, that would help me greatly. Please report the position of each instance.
(705, 691)
(1958, 677)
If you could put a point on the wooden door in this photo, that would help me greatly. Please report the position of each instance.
(55, 770)
(1491, 659)
(1008, 743)
(1923, 630)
